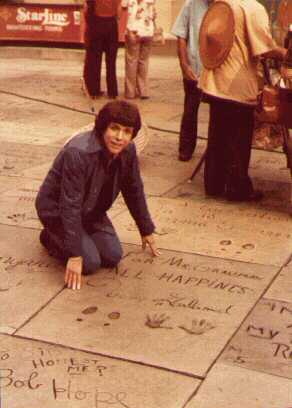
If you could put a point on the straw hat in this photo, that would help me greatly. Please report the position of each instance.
(216, 34)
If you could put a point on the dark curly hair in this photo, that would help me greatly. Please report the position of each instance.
(122, 112)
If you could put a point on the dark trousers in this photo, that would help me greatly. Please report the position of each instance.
(98, 249)
(101, 37)
(189, 122)
(229, 148)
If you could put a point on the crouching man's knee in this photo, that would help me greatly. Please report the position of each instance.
(111, 259)
(91, 264)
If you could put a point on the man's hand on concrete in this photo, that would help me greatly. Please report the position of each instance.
(150, 241)
(73, 273)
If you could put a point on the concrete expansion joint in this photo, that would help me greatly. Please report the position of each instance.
(76, 54)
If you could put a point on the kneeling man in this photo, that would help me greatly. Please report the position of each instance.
(81, 186)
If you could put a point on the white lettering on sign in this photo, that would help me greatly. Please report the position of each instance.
(45, 17)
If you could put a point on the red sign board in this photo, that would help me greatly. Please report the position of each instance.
(41, 23)
(38, 22)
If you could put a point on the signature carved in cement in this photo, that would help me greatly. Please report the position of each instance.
(20, 217)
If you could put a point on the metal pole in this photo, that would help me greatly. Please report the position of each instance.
(199, 165)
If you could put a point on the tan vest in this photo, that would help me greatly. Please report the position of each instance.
(236, 79)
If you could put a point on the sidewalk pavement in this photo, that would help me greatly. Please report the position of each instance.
(207, 324)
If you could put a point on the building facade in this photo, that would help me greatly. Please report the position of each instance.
(61, 20)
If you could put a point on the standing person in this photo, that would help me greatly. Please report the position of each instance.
(138, 42)
(234, 35)
(284, 19)
(81, 186)
(186, 29)
(101, 36)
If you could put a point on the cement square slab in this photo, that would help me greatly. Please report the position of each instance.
(42, 123)
(17, 206)
(38, 172)
(43, 87)
(281, 288)
(156, 163)
(48, 376)
(276, 193)
(40, 83)
(234, 231)
(169, 118)
(192, 189)
(16, 157)
(176, 311)
(233, 387)
(263, 343)
(9, 183)
(29, 277)
(157, 158)
(160, 168)
(44, 78)
(267, 165)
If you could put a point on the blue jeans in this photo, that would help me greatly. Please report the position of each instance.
(98, 249)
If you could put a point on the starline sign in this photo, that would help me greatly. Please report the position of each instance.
(45, 17)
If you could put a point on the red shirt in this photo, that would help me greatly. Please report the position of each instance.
(106, 8)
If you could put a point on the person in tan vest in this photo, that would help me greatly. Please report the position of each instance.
(234, 35)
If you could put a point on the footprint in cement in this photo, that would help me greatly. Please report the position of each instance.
(248, 246)
(114, 315)
(226, 242)
(90, 310)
